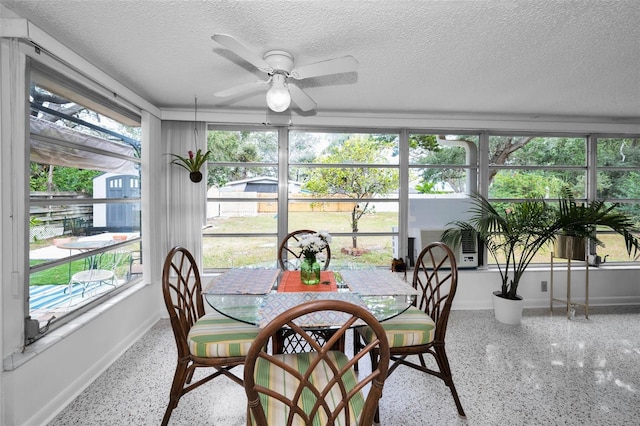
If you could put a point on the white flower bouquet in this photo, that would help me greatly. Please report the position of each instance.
(312, 244)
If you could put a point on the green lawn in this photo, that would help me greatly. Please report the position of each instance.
(227, 252)
(61, 274)
(56, 275)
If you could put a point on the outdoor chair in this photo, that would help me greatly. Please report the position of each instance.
(319, 386)
(102, 271)
(135, 264)
(422, 328)
(203, 340)
(289, 256)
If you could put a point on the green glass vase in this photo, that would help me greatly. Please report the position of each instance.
(310, 271)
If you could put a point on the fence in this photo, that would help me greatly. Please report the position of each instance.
(52, 221)
(251, 208)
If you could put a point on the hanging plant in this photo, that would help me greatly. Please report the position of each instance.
(194, 161)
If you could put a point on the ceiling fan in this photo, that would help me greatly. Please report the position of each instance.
(279, 65)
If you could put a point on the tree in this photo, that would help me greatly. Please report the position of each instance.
(526, 185)
(425, 149)
(621, 183)
(537, 151)
(421, 145)
(302, 149)
(502, 147)
(357, 183)
(235, 147)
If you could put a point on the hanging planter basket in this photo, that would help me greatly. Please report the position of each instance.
(192, 163)
(195, 160)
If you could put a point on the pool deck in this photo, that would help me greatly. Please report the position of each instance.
(47, 300)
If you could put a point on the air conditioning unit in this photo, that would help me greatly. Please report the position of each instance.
(466, 254)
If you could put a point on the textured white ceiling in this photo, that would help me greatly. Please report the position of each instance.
(544, 57)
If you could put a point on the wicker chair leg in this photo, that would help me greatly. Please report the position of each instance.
(445, 369)
(374, 364)
(179, 379)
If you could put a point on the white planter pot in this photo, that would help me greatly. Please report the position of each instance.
(507, 311)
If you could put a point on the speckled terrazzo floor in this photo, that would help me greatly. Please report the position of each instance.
(546, 371)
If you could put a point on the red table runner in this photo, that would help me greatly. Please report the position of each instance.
(290, 282)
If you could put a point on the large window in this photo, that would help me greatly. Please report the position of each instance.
(344, 183)
(536, 166)
(368, 188)
(523, 167)
(618, 180)
(84, 178)
(347, 184)
(443, 170)
(242, 199)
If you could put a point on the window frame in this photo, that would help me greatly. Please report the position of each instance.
(481, 167)
(74, 91)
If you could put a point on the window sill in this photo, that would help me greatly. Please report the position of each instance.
(17, 359)
(576, 264)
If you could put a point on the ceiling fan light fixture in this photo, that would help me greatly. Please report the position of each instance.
(278, 97)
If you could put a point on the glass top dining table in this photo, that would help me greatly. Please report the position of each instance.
(257, 296)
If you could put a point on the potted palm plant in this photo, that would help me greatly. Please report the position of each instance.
(576, 225)
(514, 234)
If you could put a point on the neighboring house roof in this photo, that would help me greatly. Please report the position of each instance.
(263, 184)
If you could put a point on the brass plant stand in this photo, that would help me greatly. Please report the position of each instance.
(570, 303)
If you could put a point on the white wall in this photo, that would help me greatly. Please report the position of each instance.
(75, 355)
(607, 286)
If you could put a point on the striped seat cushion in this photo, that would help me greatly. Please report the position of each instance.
(215, 335)
(410, 328)
(273, 377)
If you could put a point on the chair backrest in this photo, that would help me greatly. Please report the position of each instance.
(435, 276)
(182, 290)
(318, 387)
(118, 262)
(135, 262)
(289, 256)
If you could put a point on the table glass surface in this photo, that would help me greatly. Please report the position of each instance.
(381, 292)
(85, 246)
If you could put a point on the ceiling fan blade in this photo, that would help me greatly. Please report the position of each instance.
(241, 89)
(304, 102)
(330, 66)
(241, 50)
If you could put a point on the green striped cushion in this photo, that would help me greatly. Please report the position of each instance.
(412, 327)
(215, 335)
(272, 377)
